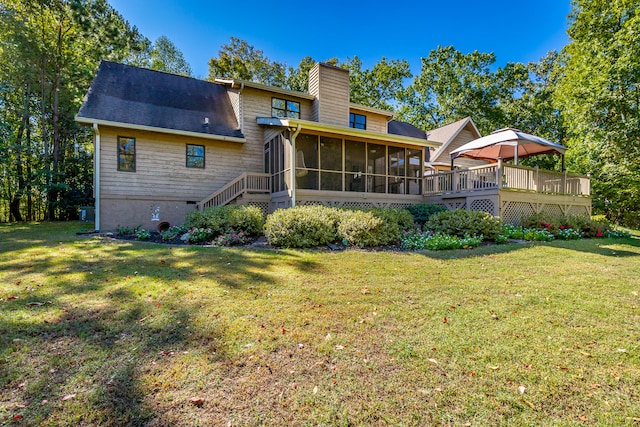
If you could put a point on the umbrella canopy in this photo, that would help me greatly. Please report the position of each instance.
(507, 144)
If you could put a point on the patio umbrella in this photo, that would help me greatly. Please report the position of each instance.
(507, 144)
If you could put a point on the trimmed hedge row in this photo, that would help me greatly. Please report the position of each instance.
(222, 219)
(308, 226)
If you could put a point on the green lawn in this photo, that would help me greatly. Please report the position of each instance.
(102, 332)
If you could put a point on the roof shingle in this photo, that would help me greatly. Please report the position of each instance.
(126, 94)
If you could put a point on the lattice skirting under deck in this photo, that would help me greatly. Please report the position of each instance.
(515, 212)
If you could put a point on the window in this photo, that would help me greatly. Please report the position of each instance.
(357, 121)
(195, 156)
(126, 154)
(284, 108)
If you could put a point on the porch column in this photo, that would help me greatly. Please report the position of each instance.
(499, 173)
(293, 164)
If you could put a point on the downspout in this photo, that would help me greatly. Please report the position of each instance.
(293, 165)
(96, 176)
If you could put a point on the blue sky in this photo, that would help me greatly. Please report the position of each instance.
(288, 31)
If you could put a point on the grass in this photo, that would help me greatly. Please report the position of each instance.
(128, 333)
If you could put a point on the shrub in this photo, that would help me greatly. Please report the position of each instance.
(173, 232)
(531, 234)
(302, 226)
(582, 224)
(362, 229)
(220, 219)
(231, 238)
(143, 234)
(568, 234)
(512, 232)
(437, 242)
(620, 234)
(200, 235)
(394, 222)
(461, 223)
(422, 212)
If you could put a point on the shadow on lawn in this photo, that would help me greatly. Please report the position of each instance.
(94, 326)
(596, 246)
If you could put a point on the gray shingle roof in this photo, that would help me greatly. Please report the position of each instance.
(126, 94)
(405, 129)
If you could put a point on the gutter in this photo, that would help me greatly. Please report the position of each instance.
(345, 131)
(96, 177)
(95, 122)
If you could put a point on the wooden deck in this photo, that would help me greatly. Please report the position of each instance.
(511, 192)
(499, 177)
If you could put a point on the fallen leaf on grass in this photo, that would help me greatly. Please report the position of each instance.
(17, 417)
(531, 405)
(339, 347)
(494, 368)
(12, 297)
(445, 320)
(196, 401)
(69, 396)
(583, 418)
(315, 390)
(522, 389)
(433, 361)
(34, 304)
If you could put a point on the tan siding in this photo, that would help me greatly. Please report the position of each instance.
(161, 173)
(314, 89)
(330, 86)
(234, 97)
(462, 138)
(375, 122)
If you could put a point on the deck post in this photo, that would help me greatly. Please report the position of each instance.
(499, 173)
(454, 182)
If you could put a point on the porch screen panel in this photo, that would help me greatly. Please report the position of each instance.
(330, 160)
(307, 162)
(414, 171)
(355, 163)
(274, 163)
(376, 168)
(396, 170)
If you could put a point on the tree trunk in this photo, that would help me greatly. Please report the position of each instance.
(14, 206)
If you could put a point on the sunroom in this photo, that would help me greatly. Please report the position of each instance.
(343, 167)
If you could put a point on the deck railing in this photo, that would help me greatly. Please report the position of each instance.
(500, 176)
(245, 183)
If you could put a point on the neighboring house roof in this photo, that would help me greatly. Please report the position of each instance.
(407, 129)
(123, 94)
(446, 134)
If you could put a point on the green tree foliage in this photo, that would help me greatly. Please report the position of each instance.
(380, 86)
(452, 86)
(298, 78)
(162, 55)
(599, 93)
(49, 53)
(240, 60)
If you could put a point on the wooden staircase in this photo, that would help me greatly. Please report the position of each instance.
(247, 183)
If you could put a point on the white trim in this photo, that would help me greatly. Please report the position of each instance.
(160, 130)
(96, 177)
